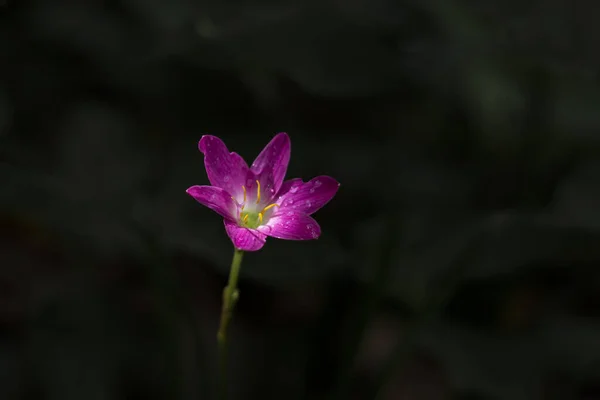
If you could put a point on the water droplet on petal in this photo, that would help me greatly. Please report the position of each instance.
(226, 178)
(293, 189)
(290, 213)
(308, 203)
(289, 202)
(312, 190)
(317, 183)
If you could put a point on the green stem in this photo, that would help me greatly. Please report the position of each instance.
(230, 297)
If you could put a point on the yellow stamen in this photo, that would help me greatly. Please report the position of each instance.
(260, 217)
(245, 218)
(258, 192)
(244, 188)
(269, 207)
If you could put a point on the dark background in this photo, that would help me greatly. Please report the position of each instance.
(459, 259)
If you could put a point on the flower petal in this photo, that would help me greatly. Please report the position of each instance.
(287, 185)
(244, 238)
(271, 164)
(292, 225)
(226, 170)
(215, 198)
(307, 197)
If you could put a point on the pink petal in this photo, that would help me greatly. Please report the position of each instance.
(244, 238)
(214, 198)
(271, 164)
(306, 197)
(291, 225)
(226, 170)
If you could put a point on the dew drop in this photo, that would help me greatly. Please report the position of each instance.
(293, 189)
(308, 203)
(317, 183)
(312, 190)
(290, 213)
(289, 202)
(226, 178)
(315, 234)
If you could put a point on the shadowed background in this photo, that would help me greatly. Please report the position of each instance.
(459, 259)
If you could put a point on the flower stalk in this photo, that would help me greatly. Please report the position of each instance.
(230, 298)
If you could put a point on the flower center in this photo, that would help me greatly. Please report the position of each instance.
(250, 217)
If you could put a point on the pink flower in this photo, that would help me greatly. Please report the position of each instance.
(254, 201)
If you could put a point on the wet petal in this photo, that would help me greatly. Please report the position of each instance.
(244, 238)
(215, 198)
(224, 169)
(292, 225)
(287, 185)
(271, 164)
(307, 197)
